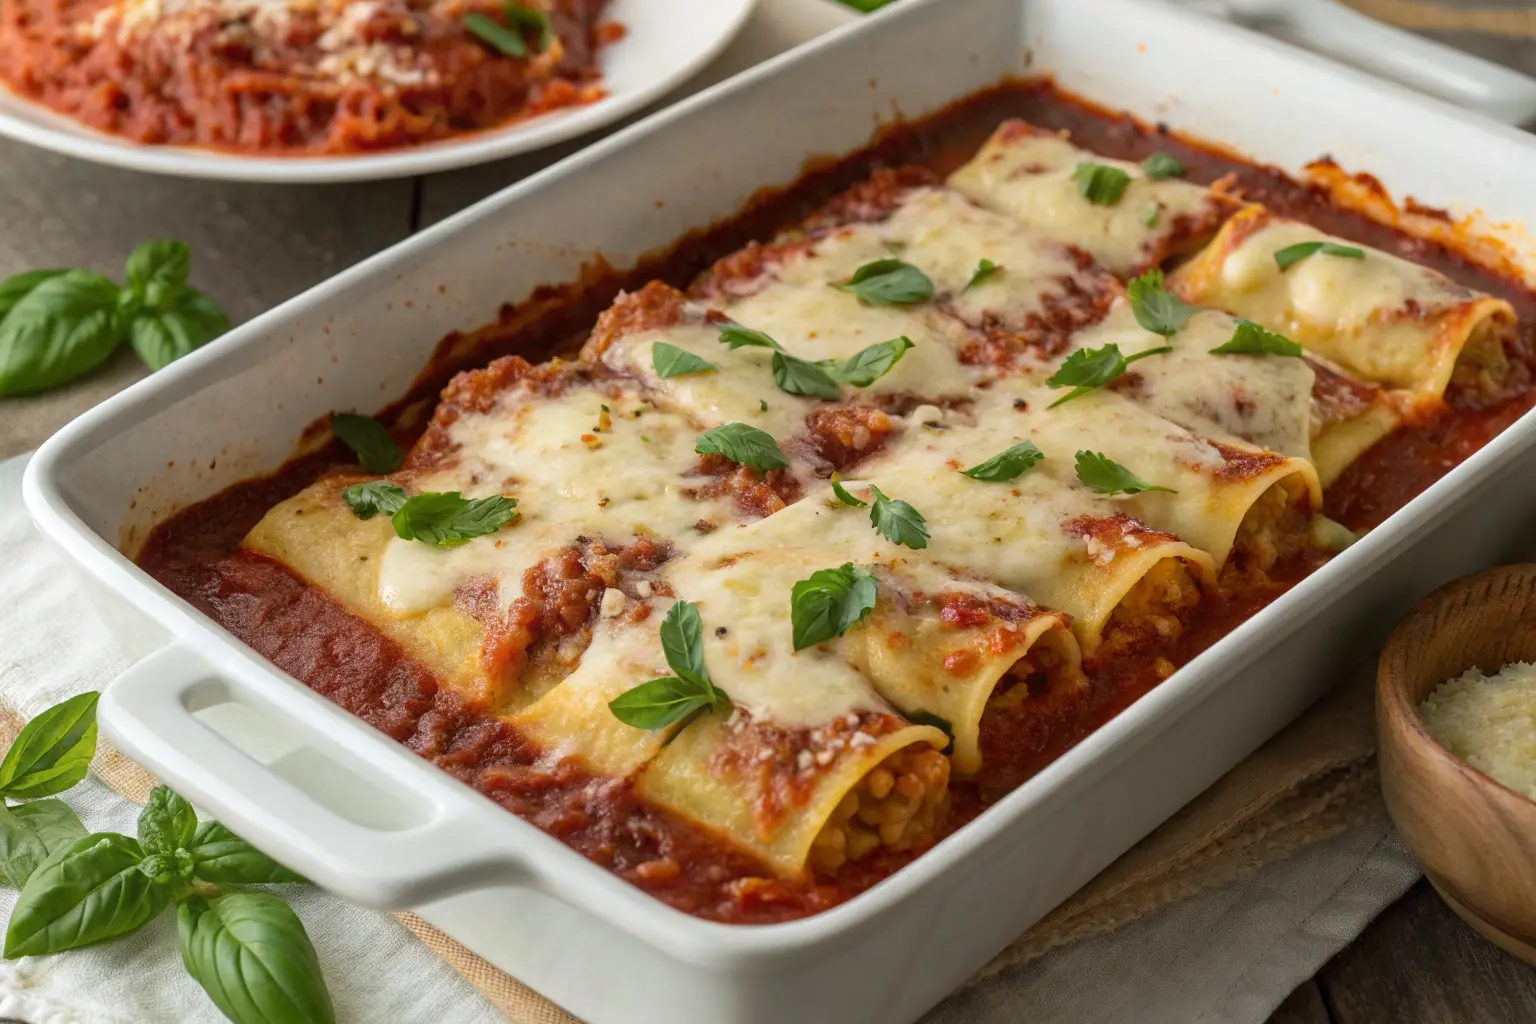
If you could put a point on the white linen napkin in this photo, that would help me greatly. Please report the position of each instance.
(1230, 955)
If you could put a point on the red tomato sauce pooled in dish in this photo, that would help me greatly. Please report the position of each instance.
(295, 77)
(350, 662)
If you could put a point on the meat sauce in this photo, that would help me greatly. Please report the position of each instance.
(349, 662)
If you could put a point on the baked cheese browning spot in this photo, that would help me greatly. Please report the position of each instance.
(1379, 317)
(1031, 175)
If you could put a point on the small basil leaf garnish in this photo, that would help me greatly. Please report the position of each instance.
(1149, 215)
(869, 364)
(1301, 250)
(63, 327)
(53, 751)
(376, 497)
(369, 440)
(920, 717)
(1100, 184)
(510, 40)
(984, 270)
(219, 856)
(888, 282)
(1105, 476)
(88, 891)
(1090, 368)
(1162, 165)
(671, 361)
(897, 521)
(166, 822)
(448, 519)
(797, 376)
(250, 953)
(736, 336)
(1156, 308)
(744, 445)
(530, 19)
(1249, 339)
(1007, 464)
(30, 833)
(673, 700)
(829, 603)
(843, 496)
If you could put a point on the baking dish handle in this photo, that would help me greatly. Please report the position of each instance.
(324, 794)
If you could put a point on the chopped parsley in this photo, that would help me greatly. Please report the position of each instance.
(1100, 184)
(1155, 307)
(1007, 464)
(1105, 476)
(1090, 368)
(1249, 339)
(1162, 165)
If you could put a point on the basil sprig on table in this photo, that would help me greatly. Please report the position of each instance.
(830, 603)
(446, 518)
(58, 325)
(1301, 250)
(248, 950)
(676, 699)
(509, 38)
(1105, 476)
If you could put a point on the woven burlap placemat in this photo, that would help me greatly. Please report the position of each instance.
(1313, 781)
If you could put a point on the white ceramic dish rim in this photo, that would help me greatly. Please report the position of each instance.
(60, 134)
(574, 879)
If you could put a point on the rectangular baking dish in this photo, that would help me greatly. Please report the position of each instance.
(362, 816)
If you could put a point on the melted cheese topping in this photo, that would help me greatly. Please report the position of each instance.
(1380, 317)
(1029, 178)
(1263, 400)
(569, 480)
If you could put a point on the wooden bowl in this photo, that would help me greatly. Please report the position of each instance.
(1475, 838)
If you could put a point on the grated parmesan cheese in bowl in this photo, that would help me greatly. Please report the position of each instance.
(1489, 722)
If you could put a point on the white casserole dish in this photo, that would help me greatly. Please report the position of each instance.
(362, 816)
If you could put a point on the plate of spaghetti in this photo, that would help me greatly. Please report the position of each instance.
(338, 90)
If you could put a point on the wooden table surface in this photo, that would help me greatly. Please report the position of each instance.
(256, 245)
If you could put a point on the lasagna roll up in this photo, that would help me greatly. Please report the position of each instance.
(1038, 178)
(1379, 317)
(807, 768)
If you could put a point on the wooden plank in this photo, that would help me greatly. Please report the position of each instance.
(1420, 964)
(252, 246)
(776, 26)
(1303, 1006)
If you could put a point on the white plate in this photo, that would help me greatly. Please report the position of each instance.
(666, 42)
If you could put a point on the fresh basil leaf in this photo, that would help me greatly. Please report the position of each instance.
(161, 336)
(1162, 165)
(29, 835)
(250, 953)
(736, 336)
(495, 35)
(843, 495)
(662, 702)
(869, 364)
(157, 271)
(1007, 464)
(1100, 184)
(449, 519)
(897, 521)
(984, 270)
(15, 288)
(682, 641)
(530, 19)
(166, 822)
(671, 361)
(1105, 476)
(376, 497)
(1301, 250)
(64, 327)
(53, 751)
(1155, 308)
(830, 603)
(888, 282)
(1090, 368)
(369, 440)
(797, 376)
(921, 717)
(1249, 339)
(88, 891)
(221, 857)
(1149, 215)
(743, 444)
